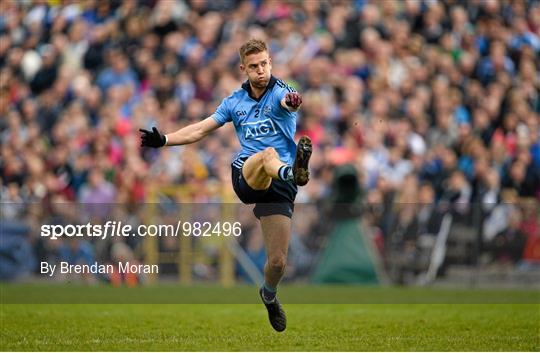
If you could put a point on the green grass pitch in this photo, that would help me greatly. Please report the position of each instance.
(108, 326)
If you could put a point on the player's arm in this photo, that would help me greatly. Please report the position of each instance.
(292, 101)
(186, 135)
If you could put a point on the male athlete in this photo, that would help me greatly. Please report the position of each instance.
(269, 167)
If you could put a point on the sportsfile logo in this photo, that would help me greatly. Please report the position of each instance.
(122, 229)
(259, 129)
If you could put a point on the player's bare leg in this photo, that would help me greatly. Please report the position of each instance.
(258, 171)
(276, 232)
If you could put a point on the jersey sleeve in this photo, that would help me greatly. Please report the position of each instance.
(222, 114)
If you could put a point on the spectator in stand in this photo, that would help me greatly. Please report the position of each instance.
(508, 245)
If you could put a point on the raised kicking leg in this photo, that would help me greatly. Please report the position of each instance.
(260, 168)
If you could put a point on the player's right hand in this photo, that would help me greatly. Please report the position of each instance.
(152, 138)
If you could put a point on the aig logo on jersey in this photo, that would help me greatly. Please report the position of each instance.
(259, 129)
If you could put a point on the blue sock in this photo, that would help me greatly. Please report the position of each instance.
(285, 173)
(269, 293)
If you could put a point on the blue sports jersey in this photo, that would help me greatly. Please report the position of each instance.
(260, 123)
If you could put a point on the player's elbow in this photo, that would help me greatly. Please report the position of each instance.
(197, 134)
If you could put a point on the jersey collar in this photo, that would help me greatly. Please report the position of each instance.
(270, 85)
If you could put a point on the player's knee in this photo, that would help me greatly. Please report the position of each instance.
(269, 154)
(277, 264)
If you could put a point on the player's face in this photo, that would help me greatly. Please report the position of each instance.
(257, 68)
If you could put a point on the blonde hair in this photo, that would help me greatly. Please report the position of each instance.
(252, 46)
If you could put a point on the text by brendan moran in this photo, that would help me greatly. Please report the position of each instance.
(122, 267)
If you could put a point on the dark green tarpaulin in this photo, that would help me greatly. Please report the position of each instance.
(346, 257)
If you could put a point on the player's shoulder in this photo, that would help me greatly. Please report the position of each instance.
(235, 98)
(282, 85)
(236, 95)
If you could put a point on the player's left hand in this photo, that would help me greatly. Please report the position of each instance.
(152, 138)
(293, 100)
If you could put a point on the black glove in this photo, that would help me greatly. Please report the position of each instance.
(152, 138)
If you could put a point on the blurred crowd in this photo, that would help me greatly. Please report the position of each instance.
(435, 103)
